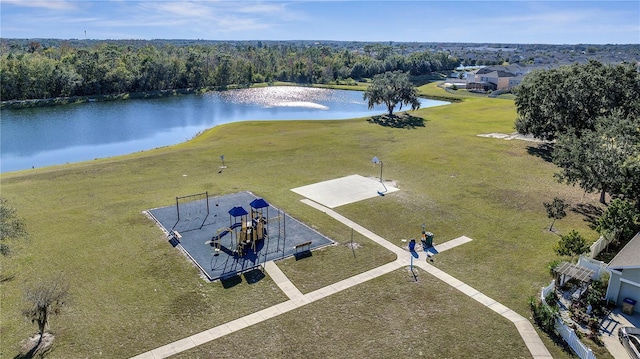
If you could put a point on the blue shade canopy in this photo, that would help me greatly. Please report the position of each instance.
(238, 211)
(259, 203)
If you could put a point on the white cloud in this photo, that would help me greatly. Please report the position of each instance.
(51, 4)
(184, 9)
(219, 16)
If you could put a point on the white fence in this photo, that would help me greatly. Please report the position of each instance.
(568, 334)
(574, 342)
(546, 290)
(598, 246)
(598, 267)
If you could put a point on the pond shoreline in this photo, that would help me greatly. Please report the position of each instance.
(56, 101)
(100, 128)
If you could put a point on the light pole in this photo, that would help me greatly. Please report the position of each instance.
(375, 161)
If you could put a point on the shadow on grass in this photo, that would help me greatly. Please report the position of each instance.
(35, 348)
(590, 213)
(28, 355)
(253, 276)
(231, 281)
(404, 120)
(5, 277)
(302, 255)
(544, 151)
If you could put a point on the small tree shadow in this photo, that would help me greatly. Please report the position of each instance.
(590, 213)
(28, 355)
(403, 120)
(543, 150)
(35, 348)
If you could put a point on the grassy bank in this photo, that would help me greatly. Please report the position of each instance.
(131, 291)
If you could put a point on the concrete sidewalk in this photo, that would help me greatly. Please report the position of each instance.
(525, 328)
(297, 299)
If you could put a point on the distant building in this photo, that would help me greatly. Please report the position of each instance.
(481, 86)
(515, 81)
(502, 77)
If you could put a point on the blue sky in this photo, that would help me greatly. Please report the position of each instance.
(547, 22)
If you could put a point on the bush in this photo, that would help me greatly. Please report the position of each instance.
(553, 265)
(596, 297)
(552, 300)
(544, 315)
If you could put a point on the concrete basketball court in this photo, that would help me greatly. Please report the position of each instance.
(340, 191)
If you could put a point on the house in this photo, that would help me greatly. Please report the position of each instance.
(625, 274)
(481, 86)
(500, 76)
(515, 81)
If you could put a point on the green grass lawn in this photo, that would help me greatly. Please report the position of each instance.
(131, 291)
(433, 322)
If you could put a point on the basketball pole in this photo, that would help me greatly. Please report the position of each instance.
(375, 161)
(352, 250)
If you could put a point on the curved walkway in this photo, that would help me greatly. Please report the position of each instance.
(297, 299)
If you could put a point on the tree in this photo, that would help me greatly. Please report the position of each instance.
(593, 112)
(570, 99)
(621, 220)
(605, 158)
(556, 210)
(45, 299)
(572, 244)
(392, 88)
(11, 226)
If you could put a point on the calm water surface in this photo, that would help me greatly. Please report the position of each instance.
(48, 136)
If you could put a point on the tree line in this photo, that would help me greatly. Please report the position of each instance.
(36, 71)
(591, 112)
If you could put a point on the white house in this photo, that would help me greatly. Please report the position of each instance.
(625, 274)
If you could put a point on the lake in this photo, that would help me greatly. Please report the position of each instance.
(46, 136)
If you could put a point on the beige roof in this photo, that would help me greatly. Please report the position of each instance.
(629, 256)
(575, 271)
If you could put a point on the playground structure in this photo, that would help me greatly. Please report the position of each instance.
(248, 229)
(252, 236)
(192, 212)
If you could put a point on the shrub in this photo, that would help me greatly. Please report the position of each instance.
(544, 315)
(553, 265)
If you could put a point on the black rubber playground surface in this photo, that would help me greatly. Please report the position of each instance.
(195, 229)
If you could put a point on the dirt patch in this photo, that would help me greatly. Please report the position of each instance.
(36, 348)
(353, 245)
(512, 136)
